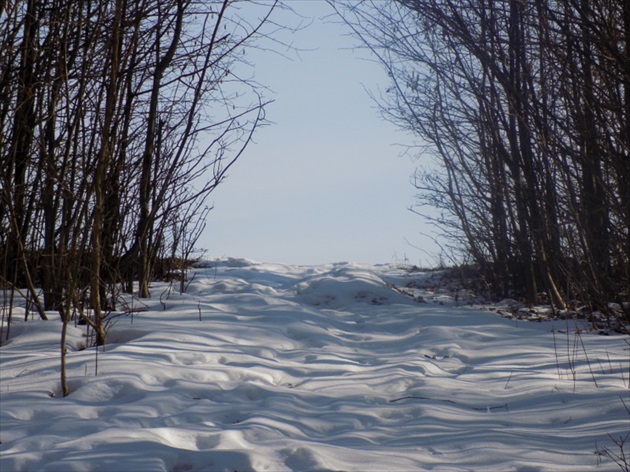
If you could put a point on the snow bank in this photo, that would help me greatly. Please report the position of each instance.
(345, 286)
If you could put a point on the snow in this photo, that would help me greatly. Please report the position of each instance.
(266, 367)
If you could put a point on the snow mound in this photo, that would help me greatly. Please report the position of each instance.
(345, 286)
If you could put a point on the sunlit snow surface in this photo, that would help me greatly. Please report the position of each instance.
(312, 368)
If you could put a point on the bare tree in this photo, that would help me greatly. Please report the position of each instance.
(519, 104)
(118, 119)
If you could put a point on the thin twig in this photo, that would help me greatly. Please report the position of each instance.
(508, 380)
(588, 361)
(555, 350)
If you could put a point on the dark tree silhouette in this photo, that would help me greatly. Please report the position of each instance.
(524, 106)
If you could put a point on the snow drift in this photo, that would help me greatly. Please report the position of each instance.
(264, 367)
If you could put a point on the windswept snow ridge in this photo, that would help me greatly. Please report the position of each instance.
(265, 367)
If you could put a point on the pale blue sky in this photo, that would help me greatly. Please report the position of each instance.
(326, 181)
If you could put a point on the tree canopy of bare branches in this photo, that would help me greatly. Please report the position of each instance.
(526, 108)
(117, 119)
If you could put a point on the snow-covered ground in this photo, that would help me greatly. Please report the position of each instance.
(265, 367)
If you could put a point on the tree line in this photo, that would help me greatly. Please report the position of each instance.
(525, 107)
(118, 118)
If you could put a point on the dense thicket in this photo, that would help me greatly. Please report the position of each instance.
(117, 119)
(526, 106)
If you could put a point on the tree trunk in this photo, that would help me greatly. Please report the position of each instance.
(146, 218)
